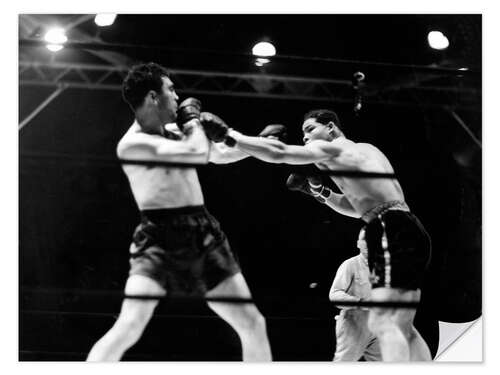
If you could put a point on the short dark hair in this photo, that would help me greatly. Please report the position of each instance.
(140, 80)
(324, 116)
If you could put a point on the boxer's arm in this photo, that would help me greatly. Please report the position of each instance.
(193, 148)
(343, 280)
(274, 151)
(337, 202)
(223, 154)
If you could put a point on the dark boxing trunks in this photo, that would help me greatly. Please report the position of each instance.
(183, 249)
(402, 263)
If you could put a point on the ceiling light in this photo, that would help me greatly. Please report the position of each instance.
(104, 19)
(264, 49)
(56, 35)
(437, 40)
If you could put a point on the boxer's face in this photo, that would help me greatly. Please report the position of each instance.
(315, 130)
(167, 101)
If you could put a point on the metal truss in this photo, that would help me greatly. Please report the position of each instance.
(109, 77)
(420, 88)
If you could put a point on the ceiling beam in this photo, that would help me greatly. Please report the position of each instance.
(250, 85)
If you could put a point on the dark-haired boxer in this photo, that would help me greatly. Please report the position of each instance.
(178, 248)
(399, 247)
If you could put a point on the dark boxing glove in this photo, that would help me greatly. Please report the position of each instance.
(216, 129)
(275, 131)
(311, 186)
(189, 109)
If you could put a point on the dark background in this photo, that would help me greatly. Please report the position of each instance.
(76, 218)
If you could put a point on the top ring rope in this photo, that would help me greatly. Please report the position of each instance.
(103, 160)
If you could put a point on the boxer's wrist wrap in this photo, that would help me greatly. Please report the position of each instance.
(319, 190)
(314, 186)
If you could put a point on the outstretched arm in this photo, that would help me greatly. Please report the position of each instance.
(223, 154)
(274, 151)
(220, 153)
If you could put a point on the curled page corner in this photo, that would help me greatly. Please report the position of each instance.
(460, 342)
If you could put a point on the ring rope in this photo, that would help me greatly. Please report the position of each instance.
(225, 299)
(102, 160)
(157, 315)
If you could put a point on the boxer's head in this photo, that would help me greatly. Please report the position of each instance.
(321, 124)
(147, 88)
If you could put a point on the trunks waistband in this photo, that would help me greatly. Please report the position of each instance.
(163, 213)
(383, 208)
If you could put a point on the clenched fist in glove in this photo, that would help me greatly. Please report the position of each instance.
(275, 131)
(215, 128)
(188, 110)
(311, 186)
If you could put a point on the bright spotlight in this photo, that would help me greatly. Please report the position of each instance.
(259, 61)
(264, 49)
(104, 19)
(437, 40)
(54, 47)
(56, 35)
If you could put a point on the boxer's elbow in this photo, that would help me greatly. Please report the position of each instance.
(333, 295)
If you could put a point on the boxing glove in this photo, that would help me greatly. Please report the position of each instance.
(215, 128)
(189, 109)
(300, 183)
(275, 131)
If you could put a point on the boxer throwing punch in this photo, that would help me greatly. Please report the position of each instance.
(398, 245)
